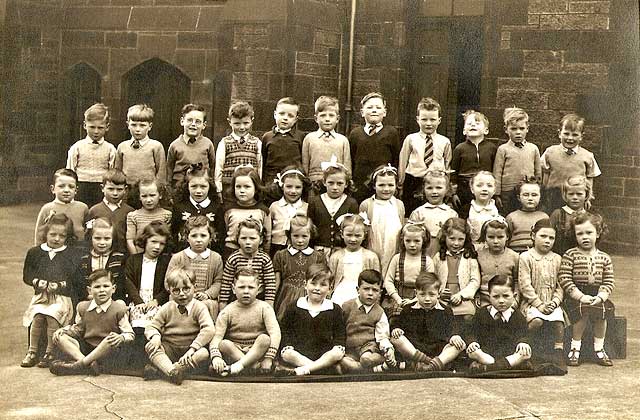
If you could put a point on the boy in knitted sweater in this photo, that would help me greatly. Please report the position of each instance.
(102, 326)
(92, 156)
(368, 346)
(179, 333)
(247, 331)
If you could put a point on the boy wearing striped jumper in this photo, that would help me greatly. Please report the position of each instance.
(92, 156)
(240, 148)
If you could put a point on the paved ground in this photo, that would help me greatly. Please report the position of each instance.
(588, 392)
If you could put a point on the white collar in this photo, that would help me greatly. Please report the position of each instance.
(307, 251)
(574, 149)
(460, 253)
(189, 306)
(90, 141)
(191, 254)
(237, 137)
(185, 138)
(52, 252)
(99, 308)
(148, 260)
(441, 206)
(284, 203)
(489, 207)
(538, 256)
(569, 210)
(55, 200)
(367, 308)
(96, 255)
(141, 142)
(368, 126)
(321, 132)
(513, 143)
(204, 203)
(111, 205)
(303, 303)
(437, 306)
(277, 129)
(506, 314)
(424, 135)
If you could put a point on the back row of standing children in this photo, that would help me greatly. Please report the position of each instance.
(425, 159)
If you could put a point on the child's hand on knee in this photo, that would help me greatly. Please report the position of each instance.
(218, 365)
(153, 344)
(187, 358)
(457, 342)
(266, 365)
(596, 300)
(456, 299)
(473, 347)
(523, 349)
(397, 333)
(586, 299)
(114, 340)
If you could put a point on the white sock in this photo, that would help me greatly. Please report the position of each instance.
(598, 344)
(236, 368)
(380, 368)
(576, 344)
(302, 370)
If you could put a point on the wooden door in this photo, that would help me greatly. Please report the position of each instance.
(82, 88)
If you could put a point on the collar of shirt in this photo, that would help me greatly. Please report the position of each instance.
(321, 132)
(284, 203)
(112, 206)
(99, 308)
(141, 142)
(277, 130)
(185, 138)
(506, 315)
(204, 254)
(307, 251)
(90, 141)
(489, 207)
(367, 308)
(575, 149)
(52, 251)
(188, 306)
(437, 306)
(237, 137)
(146, 260)
(368, 126)
(457, 254)
(204, 203)
(441, 206)
(95, 255)
(569, 210)
(55, 200)
(513, 143)
(303, 303)
(538, 256)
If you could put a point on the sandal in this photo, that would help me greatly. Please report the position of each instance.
(603, 358)
(573, 357)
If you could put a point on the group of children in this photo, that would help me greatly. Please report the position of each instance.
(293, 253)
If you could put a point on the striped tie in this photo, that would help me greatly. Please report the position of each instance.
(428, 151)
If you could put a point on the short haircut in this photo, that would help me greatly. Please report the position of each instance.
(177, 275)
(115, 176)
(98, 111)
(373, 95)
(501, 280)
(319, 272)
(370, 277)
(594, 218)
(248, 272)
(193, 107)
(250, 223)
(477, 115)
(301, 221)
(514, 115)
(240, 109)
(197, 221)
(100, 274)
(64, 172)
(426, 280)
(140, 112)
(288, 100)
(542, 224)
(154, 228)
(429, 104)
(572, 122)
(324, 102)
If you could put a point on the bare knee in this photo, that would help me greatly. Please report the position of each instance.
(370, 359)
(535, 324)
(263, 340)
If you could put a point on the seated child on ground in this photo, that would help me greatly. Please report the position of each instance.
(313, 327)
(102, 326)
(497, 335)
(179, 333)
(247, 331)
(426, 333)
(367, 326)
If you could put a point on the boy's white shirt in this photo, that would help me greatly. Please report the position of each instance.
(412, 154)
(368, 126)
(221, 156)
(382, 329)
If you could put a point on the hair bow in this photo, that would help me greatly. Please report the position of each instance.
(420, 224)
(497, 218)
(251, 219)
(279, 179)
(333, 163)
(362, 215)
(244, 165)
(385, 169)
(49, 216)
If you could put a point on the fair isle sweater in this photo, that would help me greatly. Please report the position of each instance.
(208, 270)
(578, 271)
(194, 329)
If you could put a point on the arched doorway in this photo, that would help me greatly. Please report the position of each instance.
(164, 88)
(82, 88)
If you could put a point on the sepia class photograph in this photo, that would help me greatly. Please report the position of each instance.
(345, 209)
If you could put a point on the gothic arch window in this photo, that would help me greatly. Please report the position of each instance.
(164, 88)
(82, 88)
